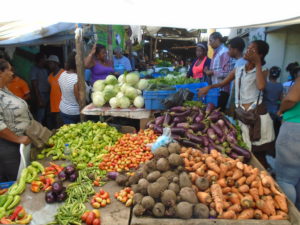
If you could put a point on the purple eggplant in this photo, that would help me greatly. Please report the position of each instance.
(167, 120)
(194, 138)
(189, 144)
(241, 152)
(229, 125)
(236, 156)
(159, 120)
(183, 125)
(186, 113)
(221, 123)
(209, 108)
(178, 130)
(205, 140)
(230, 138)
(214, 116)
(179, 119)
(192, 117)
(197, 127)
(211, 134)
(151, 122)
(157, 129)
(178, 109)
(217, 130)
(222, 139)
(176, 137)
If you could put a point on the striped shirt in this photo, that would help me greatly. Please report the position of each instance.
(221, 64)
(68, 103)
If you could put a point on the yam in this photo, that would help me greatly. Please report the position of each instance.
(153, 176)
(142, 186)
(184, 180)
(164, 183)
(159, 210)
(154, 190)
(121, 179)
(162, 165)
(133, 179)
(170, 175)
(137, 198)
(184, 210)
(174, 187)
(135, 188)
(174, 148)
(148, 202)
(150, 165)
(168, 198)
(161, 152)
(138, 210)
(187, 194)
(176, 180)
(202, 183)
(141, 173)
(175, 160)
(201, 211)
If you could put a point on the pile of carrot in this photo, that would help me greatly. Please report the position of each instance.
(236, 190)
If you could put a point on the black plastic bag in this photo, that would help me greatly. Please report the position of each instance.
(178, 98)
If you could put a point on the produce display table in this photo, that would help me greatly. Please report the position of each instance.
(115, 213)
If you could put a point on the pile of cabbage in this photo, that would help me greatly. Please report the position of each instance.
(120, 93)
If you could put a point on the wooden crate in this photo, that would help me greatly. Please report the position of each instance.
(294, 215)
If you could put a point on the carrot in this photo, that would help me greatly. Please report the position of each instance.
(246, 214)
(217, 196)
(222, 182)
(241, 181)
(282, 203)
(212, 174)
(244, 188)
(258, 214)
(247, 202)
(267, 191)
(230, 214)
(240, 165)
(204, 197)
(197, 165)
(186, 162)
(264, 216)
(226, 190)
(183, 149)
(254, 193)
(247, 170)
(237, 174)
(230, 182)
(211, 163)
(278, 217)
(224, 168)
(260, 188)
(236, 208)
(254, 184)
(279, 212)
(188, 168)
(226, 205)
(236, 191)
(229, 173)
(234, 198)
(193, 177)
(184, 155)
(214, 153)
(192, 163)
(252, 177)
(266, 206)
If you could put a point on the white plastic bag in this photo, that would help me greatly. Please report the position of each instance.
(25, 158)
(163, 140)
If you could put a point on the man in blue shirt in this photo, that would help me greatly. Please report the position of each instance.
(121, 63)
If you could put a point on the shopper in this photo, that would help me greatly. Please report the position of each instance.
(40, 87)
(293, 69)
(287, 164)
(98, 63)
(19, 87)
(272, 96)
(14, 120)
(121, 62)
(221, 65)
(68, 83)
(55, 93)
(200, 63)
(250, 80)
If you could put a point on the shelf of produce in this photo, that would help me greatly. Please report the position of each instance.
(115, 213)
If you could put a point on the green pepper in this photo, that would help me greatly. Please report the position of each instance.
(3, 199)
(2, 212)
(8, 201)
(15, 202)
(38, 165)
(20, 188)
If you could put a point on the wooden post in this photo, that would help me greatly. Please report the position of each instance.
(80, 69)
(109, 40)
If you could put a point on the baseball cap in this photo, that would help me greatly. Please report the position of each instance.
(53, 58)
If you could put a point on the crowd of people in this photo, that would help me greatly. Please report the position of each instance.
(267, 111)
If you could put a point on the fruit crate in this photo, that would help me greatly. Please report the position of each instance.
(5, 185)
(153, 99)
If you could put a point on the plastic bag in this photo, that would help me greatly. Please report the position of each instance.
(178, 98)
(163, 140)
(25, 158)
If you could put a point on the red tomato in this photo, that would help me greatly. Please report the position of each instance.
(84, 216)
(90, 218)
(96, 222)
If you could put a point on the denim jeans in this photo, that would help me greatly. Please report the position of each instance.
(287, 163)
(69, 119)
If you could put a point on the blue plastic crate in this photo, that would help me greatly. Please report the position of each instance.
(156, 75)
(6, 184)
(212, 96)
(193, 88)
(153, 99)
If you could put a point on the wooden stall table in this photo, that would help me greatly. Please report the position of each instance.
(142, 115)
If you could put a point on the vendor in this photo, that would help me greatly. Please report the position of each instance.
(14, 120)
(250, 81)
(98, 63)
(288, 145)
(200, 63)
(121, 62)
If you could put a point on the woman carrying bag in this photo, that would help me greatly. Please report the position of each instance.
(250, 80)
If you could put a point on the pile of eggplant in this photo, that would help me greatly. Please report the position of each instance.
(203, 128)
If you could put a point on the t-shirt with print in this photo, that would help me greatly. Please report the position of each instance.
(14, 112)
(55, 93)
(68, 103)
(41, 76)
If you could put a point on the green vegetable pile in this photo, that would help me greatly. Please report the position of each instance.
(194, 103)
(173, 80)
(86, 141)
(90, 173)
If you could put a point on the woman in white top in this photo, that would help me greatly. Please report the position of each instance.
(250, 80)
(68, 82)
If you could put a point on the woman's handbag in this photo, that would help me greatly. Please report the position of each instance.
(38, 134)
